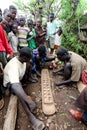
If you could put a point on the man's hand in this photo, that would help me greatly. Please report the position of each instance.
(64, 82)
(59, 84)
(58, 73)
(55, 72)
(9, 56)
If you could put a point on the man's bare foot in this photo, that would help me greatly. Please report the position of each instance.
(39, 125)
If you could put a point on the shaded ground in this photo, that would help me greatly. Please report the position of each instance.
(63, 102)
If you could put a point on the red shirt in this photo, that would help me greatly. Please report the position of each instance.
(4, 45)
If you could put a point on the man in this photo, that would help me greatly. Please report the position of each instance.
(74, 66)
(13, 73)
(4, 45)
(13, 11)
(81, 103)
(8, 17)
(52, 29)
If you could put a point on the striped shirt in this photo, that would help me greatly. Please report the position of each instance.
(22, 35)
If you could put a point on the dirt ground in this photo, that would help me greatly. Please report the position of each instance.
(64, 99)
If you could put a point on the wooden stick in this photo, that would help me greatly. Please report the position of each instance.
(11, 115)
(71, 97)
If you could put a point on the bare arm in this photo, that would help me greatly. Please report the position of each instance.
(64, 82)
(20, 93)
(59, 72)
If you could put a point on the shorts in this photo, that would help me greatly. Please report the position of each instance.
(9, 87)
(52, 41)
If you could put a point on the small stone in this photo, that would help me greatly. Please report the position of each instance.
(65, 126)
(28, 126)
(38, 99)
(18, 126)
(33, 93)
(65, 103)
(46, 117)
(41, 118)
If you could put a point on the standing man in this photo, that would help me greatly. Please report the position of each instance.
(51, 31)
(4, 45)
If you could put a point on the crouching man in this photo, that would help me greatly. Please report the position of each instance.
(74, 69)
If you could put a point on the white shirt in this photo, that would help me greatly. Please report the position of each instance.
(14, 71)
(57, 40)
(52, 27)
(13, 41)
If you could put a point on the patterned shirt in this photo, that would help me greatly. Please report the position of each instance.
(22, 35)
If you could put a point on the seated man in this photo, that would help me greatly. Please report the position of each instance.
(13, 73)
(39, 58)
(81, 103)
(74, 66)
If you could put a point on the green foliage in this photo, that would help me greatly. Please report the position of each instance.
(72, 11)
(38, 8)
(69, 40)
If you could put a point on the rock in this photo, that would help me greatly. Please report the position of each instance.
(38, 99)
(18, 127)
(65, 126)
(33, 93)
(28, 126)
(41, 118)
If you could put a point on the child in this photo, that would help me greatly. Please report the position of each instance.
(39, 58)
(44, 27)
(22, 33)
(40, 33)
(13, 39)
(31, 35)
(58, 38)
